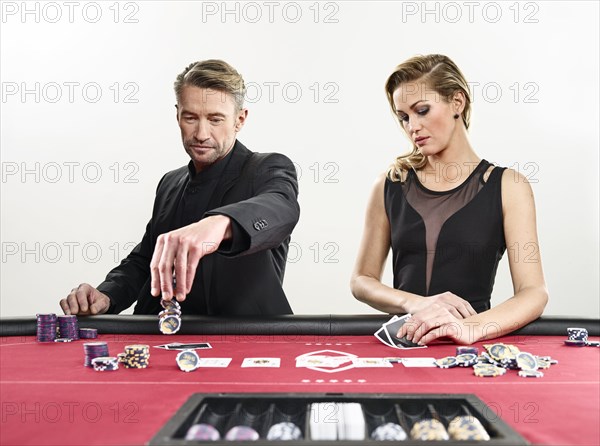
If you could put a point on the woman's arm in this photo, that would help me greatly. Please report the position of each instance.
(530, 293)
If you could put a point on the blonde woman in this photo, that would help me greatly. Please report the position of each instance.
(448, 216)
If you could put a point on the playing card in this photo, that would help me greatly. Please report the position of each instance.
(393, 326)
(181, 346)
(214, 362)
(419, 362)
(371, 362)
(261, 362)
(383, 337)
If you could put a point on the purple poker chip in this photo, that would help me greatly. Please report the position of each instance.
(46, 327)
(94, 350)
(68, 326)
(242, 433)
(88, 333)
(202, 431)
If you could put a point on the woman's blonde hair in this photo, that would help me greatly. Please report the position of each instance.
(440, 74)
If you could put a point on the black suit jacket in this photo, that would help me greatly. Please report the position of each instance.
(259, 193)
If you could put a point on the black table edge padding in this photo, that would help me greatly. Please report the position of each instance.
(287, 325)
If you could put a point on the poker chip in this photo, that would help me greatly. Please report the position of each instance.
(531, 373)
(526, 361)
(188, 360)
(466, 359)
(137, 356)
(577, 334)
(94, 350)
(284, 431)
(105, 363)
(465, 428)
(447, 362)
(169, 324)
(170, 304)
(389, 432)
(202, 431)
(575, 343)
(68, 326)
(592, 344)
(429, 429)
(46, 327)
(242, 433)
(88, 333)
(461, 350)
(488, 370)
(63, 340)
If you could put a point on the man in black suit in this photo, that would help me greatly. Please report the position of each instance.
(220, 228)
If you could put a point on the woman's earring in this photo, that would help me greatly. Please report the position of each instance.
(456, 116)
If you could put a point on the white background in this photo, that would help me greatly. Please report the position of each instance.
(88, 126)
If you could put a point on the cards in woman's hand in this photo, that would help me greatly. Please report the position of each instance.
(388, 331)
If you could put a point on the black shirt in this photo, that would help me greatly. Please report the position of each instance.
(450, 240)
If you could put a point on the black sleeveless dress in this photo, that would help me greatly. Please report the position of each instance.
(450, 240)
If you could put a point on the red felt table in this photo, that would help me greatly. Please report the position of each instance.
(49, 398)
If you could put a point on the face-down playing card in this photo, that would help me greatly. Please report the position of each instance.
(391, 329)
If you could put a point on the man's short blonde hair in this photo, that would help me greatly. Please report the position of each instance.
(216, 75)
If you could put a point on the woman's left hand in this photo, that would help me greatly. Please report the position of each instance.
(435, 322)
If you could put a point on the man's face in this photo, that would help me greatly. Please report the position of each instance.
(209, 122)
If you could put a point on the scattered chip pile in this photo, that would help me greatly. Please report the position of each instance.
(497, 360)
(135, 356)
(94, 350)
(169, 320)
(578, 337)
(105, 363)
(46, 327)
(68, 327)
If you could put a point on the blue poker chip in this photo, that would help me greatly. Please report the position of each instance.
(575, 343)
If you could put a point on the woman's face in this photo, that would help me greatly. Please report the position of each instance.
(425, 116)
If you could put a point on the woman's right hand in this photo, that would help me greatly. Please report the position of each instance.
(456, 305)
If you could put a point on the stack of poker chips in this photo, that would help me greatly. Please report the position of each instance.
(46, 327)
(349, 425)
(429, 429)
(284, 431)
(202, 431)
(68, 327)
(578, 337)
(242, 433)
(88, 333)
(135, 356)
(389, 432)
(94, 350)
(105, 363)
(170, 318)
(467, 428)
(497, 359)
